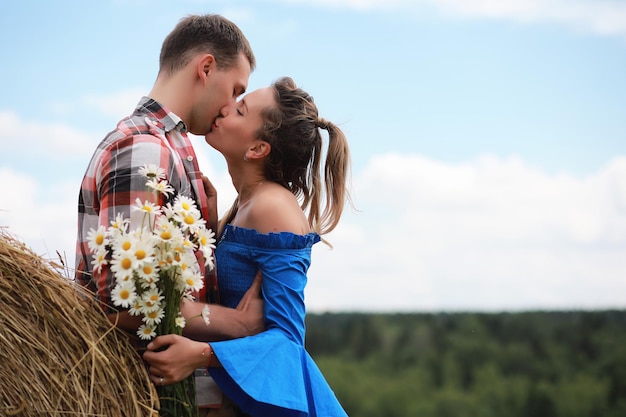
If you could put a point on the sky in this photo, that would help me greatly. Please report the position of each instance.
(488, 137)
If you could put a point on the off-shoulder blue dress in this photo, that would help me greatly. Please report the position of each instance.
(270, 374)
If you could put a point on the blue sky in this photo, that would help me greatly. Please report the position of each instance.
(488, 137)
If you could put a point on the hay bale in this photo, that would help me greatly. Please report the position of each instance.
(59, 355)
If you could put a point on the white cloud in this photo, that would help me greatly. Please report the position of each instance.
(27, 138)
(117, 104)
(605, 17)
(486, 234)
(45, 224)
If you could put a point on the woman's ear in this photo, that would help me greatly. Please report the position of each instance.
(259, 150)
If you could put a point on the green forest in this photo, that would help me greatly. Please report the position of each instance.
(524, 364)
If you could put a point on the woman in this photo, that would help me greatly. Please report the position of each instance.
(272, 143)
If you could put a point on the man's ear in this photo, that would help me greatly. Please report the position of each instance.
(205, 65)
(259, 150)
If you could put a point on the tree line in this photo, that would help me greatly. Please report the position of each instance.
(526, 364)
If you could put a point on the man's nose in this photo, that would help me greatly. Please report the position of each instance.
(225, 110)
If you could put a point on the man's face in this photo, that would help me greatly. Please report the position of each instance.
(222, 88)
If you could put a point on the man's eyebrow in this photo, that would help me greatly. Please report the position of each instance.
(244, 104)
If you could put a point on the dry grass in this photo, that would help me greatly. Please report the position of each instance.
(59, 355)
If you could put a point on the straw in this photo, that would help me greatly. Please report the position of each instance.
(59, 354)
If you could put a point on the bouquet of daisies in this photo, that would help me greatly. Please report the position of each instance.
(155, 267)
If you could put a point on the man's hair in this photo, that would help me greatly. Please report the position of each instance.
(209, 33)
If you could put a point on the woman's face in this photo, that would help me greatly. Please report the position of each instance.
(234, 131)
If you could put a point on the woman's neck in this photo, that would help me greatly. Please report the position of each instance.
(246, 184)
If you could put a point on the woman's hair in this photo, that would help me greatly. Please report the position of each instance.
(209, 33)
(292, 128)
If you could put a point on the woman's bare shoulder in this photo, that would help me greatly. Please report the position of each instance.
(276, 209)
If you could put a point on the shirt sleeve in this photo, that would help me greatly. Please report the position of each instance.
(115, 185)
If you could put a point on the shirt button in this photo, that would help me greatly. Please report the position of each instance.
(190, 158)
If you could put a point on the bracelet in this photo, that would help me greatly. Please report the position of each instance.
(210, 354)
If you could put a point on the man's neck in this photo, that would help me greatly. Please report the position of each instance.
(174, 94)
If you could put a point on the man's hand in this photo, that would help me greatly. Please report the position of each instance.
(247, 319)
(211, 195)
(173, 358)
(251, 305)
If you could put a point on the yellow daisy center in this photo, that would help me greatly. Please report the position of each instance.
(126, 263)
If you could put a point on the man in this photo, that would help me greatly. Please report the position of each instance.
(204, 65)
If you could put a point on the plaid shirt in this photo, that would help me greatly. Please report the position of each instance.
(151, 135)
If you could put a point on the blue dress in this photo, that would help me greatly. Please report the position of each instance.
(270, 374)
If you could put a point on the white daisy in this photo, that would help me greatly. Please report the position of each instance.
(162, 187)
(148, 274)
(183, 204)
(206, 242)
(99, 259)
(124, 242)
(180, 322)
(119, 225)
(185, 259)
(123, 263)
(123, 294)
(205, 315)
(193, 280)
(152, 171)
(143, 249)
(166, 231)
(97, 239)
(148, 208)
(135, 310)
(151, 300)
(146, 332)
(152, 318)
(190, 220)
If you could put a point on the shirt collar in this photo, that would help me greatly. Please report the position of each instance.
(166, 119)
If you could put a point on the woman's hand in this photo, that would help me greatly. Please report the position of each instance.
(173, 358)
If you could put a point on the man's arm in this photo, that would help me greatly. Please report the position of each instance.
(226, 323)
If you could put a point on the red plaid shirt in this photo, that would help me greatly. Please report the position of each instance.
(151, 135)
